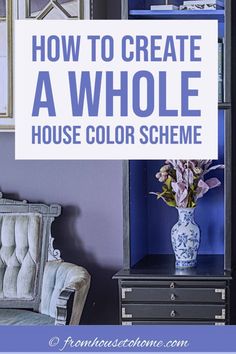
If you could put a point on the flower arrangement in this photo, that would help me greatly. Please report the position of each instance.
(184, 182)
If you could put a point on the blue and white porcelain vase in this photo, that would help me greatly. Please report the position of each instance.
(185, 237)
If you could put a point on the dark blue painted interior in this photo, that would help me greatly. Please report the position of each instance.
(152, 220)
(138, 209)
(221, 29)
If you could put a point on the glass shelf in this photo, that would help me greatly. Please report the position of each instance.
(178, 14)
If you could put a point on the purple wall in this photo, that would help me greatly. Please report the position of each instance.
(89, 232)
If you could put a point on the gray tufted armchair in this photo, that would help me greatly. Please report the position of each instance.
(36, 286)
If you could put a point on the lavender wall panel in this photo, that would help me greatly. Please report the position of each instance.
(89, 232)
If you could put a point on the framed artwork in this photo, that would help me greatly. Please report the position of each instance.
(28, 9)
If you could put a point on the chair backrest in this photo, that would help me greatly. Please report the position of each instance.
(25, 246)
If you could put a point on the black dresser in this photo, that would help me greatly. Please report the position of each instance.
(148, 296)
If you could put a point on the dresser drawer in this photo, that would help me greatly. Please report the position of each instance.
(173, 295)
(173, 312)
(173, 283)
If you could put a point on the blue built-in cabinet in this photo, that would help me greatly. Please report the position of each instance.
(152, 291)
(151, 220)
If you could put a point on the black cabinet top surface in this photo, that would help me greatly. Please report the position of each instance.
(163, 267)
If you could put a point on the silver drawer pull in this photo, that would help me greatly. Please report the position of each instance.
(222, 292)
(124, 314)
(124, 291)
(172, 314)
(222, 316)
(173, 297)
(172, 285)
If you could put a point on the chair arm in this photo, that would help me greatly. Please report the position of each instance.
(62, 280)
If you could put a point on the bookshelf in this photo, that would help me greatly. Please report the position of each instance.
(151, 289)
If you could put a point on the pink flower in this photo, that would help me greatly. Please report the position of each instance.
(165, 168)
(213, 183)
(184, 181)
(184, 173)
(202, 188)
(181, 194)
